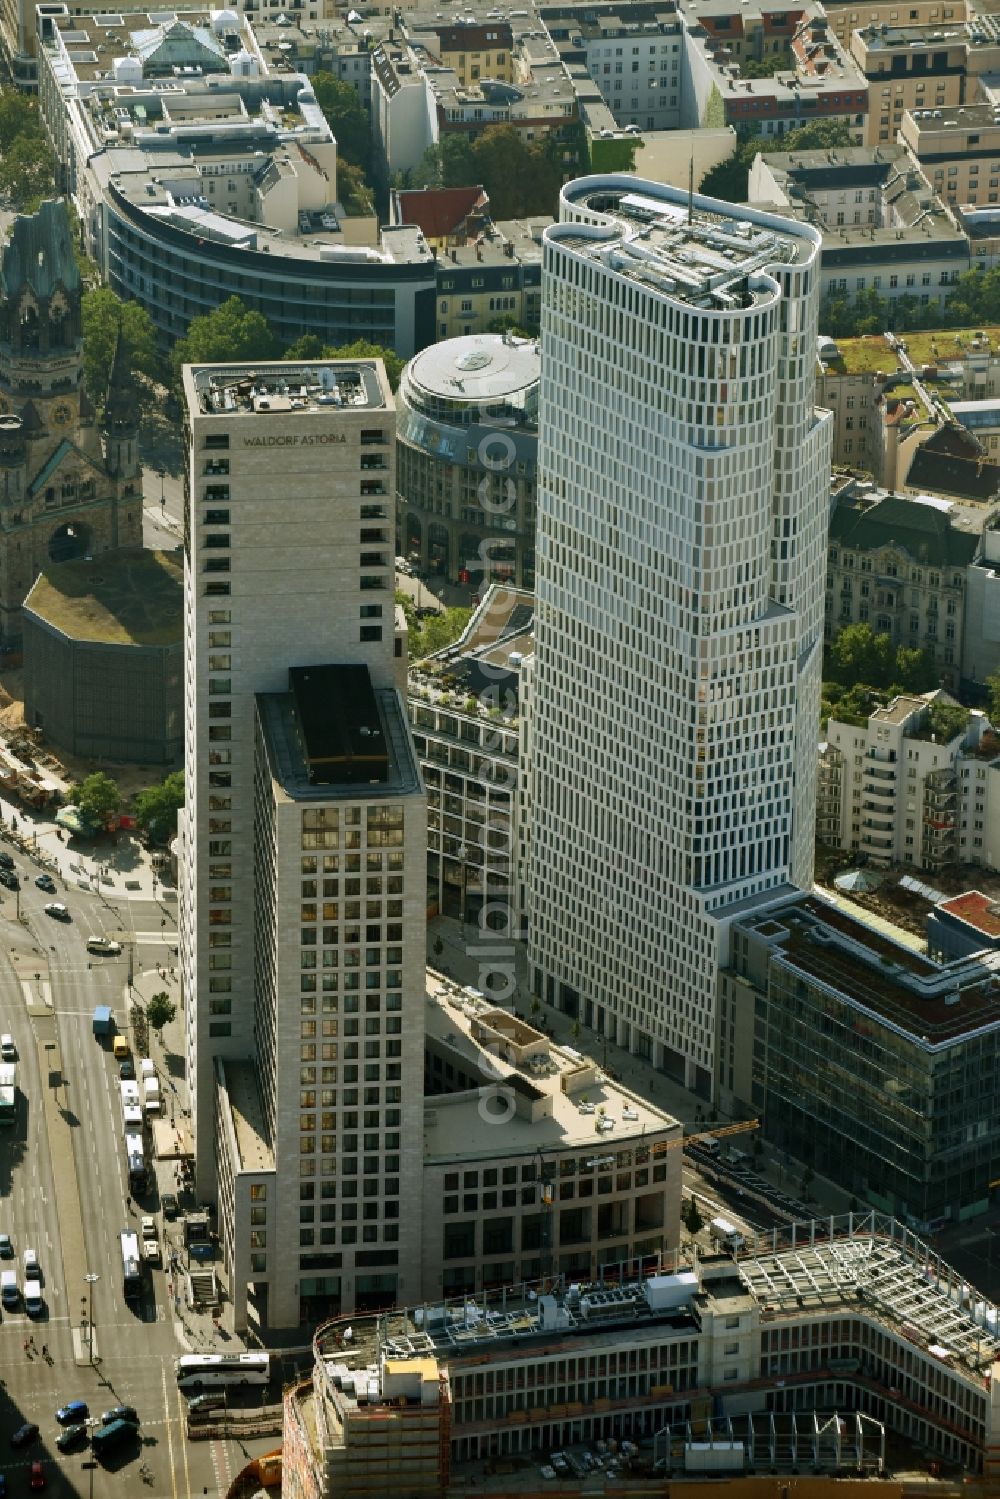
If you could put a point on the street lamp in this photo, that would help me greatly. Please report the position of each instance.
(463, 854)
(91, 1278)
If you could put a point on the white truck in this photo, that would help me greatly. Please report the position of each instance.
(152, 1102)
(725, 1234)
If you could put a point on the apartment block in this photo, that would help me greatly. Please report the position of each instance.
(655, 820)
(909, 786)
(296, 810)
(923, 67)
(900, 1105)
(958, 151)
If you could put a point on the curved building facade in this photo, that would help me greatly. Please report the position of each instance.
(467, 452)
(682, 520)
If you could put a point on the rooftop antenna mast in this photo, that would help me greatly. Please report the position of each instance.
(691, 190)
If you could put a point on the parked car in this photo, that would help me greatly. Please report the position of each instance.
(213, 1401)
(24, 1435)
(46, 882)
(58, 911)
(6, 862)
(37, 1479)
(9, 879)
(104, 947)
(72, 1412)
(120, 1413)
(71, 1436)
(169, 1204)
(403, 567)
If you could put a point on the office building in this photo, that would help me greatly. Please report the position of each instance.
(924, 66)
(463, 704)
(201, 167)
(871, 1061)
(467, 454)
(800, 1350)
(302, 841)
(675, 685)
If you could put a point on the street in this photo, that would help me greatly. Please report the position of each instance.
(63, 1191)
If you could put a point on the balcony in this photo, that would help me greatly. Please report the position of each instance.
(873, 775)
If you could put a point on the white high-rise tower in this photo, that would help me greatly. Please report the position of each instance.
(682, 508)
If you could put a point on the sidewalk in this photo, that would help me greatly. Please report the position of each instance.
(118, 867)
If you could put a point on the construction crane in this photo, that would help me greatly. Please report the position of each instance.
(711, 1134)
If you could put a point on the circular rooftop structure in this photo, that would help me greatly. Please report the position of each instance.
(497, 374)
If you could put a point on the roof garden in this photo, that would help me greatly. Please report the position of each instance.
(116, 598)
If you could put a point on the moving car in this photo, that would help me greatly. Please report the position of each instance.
(69, 1437)
(104, 947)
(37, 1479)
(126, 1070)
(73, 1411)
(46, 882)
(6, 1247)
(120, 1413)
(8, 1051)
(24, 1435)
(214, 1400)
(58, 911)
(32, 1269)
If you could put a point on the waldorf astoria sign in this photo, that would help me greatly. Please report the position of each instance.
(293, 440)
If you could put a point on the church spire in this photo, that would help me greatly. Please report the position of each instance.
(121, 406)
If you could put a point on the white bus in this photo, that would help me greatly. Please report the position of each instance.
(131, 1265)
(204, 1370)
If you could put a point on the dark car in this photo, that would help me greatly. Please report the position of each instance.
(46, 882)
(72, 1411)
(24, 1434)
(37, 1479)
(9, 880)
(121, 1413)
(169, 1204)
(71, 1436)
(211, 1402)
(126, 1069)
(6, 862)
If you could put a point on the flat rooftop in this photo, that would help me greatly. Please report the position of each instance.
(956, 117)
(977, 910)
(454, 1126)
(697, 254)
(242, 1093)
(341, 730)
(479, 368)
(263, 389)
(294, 758)
(932, 1003)
(866, 1265)
(117, 598)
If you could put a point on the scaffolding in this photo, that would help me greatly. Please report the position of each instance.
(823, 1441)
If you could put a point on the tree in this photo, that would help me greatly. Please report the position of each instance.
(353, 191)
(993, 698)
(915, 670)
(693, 1221)
(18, 116)
(231, 334)
(448, 164)
(346, 117)
(947, 720)
(309, 346)
(156, 808)
(435, 632)
(105, 315)
(98, 798)
(362, 349)
(160, 1011)
(859, 655)
(27, 172)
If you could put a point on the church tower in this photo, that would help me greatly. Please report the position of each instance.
(121, 422)
(61, 496)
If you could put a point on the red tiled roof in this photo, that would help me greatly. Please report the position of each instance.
(975, 908)
(440, 211)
